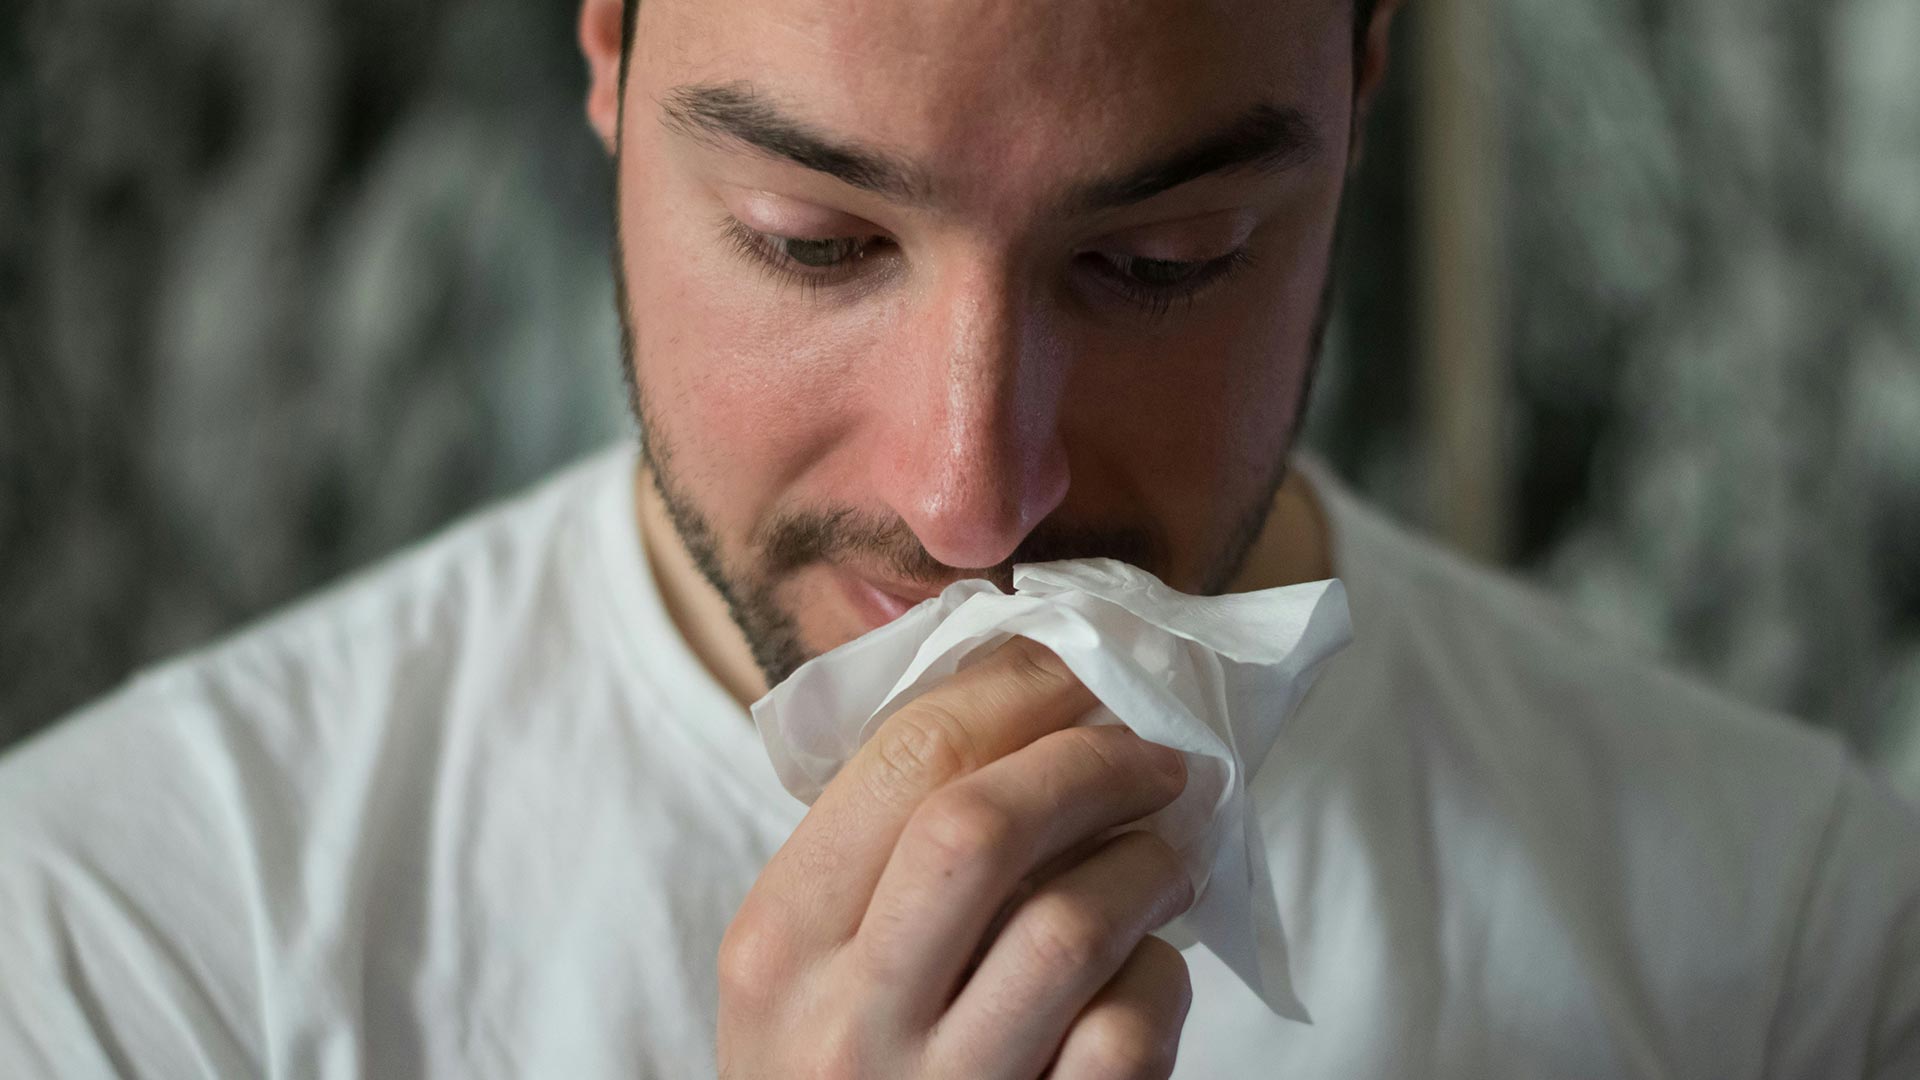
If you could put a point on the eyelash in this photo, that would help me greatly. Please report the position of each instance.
(764, 250)
(1156, 300)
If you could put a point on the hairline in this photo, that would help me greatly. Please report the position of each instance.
(1362, 16)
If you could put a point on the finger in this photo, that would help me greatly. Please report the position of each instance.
(1057, 951)
(1018, 693)
(1131, 1029)
(970, 844)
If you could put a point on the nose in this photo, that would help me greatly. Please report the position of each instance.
(972, 457)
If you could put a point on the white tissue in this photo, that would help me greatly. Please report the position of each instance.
(1212, 677)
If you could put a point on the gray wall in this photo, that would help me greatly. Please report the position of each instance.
(285, 284)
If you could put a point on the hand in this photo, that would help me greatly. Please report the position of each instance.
(867, 948)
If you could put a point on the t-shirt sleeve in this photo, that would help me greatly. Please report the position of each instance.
(1851, 1007)
(125, 944)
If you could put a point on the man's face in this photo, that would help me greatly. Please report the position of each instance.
(915, 291)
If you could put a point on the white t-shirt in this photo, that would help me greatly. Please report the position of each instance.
(480, 813)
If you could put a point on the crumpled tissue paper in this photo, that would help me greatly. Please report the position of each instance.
(1212, 677)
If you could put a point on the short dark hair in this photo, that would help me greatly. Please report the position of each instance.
(1362, 18)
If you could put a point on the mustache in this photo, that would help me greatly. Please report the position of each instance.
(798, 539)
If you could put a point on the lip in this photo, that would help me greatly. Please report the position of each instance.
(879, 603)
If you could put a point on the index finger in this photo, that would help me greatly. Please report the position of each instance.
(1020, 692)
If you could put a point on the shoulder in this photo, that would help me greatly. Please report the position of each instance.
(378, 657)
(155, 846)
(1515, 671)
(439, 609)
(396, 639)
(1737, 856)
(120, 880)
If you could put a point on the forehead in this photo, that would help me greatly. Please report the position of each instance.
(990, 91)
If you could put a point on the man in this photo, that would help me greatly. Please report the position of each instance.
(915, 291)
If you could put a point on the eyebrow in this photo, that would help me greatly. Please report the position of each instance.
(1265, 138)
(737, 112)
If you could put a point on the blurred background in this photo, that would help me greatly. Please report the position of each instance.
(1631, 306)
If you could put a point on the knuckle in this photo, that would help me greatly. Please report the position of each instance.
(1126, 758)
(1035, 664)
(924, 744)
(1106, 745)
(1173, 887)
(961, 827)
(754, 961)
(1062, 936)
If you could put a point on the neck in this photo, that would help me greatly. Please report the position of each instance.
(1293, 547)
(1294, 544)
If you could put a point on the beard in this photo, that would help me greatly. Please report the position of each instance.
(791, 541)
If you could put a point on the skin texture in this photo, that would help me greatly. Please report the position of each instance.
(977, 383)
(995, 371)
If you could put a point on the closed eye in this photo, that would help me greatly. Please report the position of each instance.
(1158, 284)
(812, 261)
(1154, 285)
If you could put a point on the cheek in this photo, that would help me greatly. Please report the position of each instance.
(733, 378)
(1195, 448)
(1189, 422)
